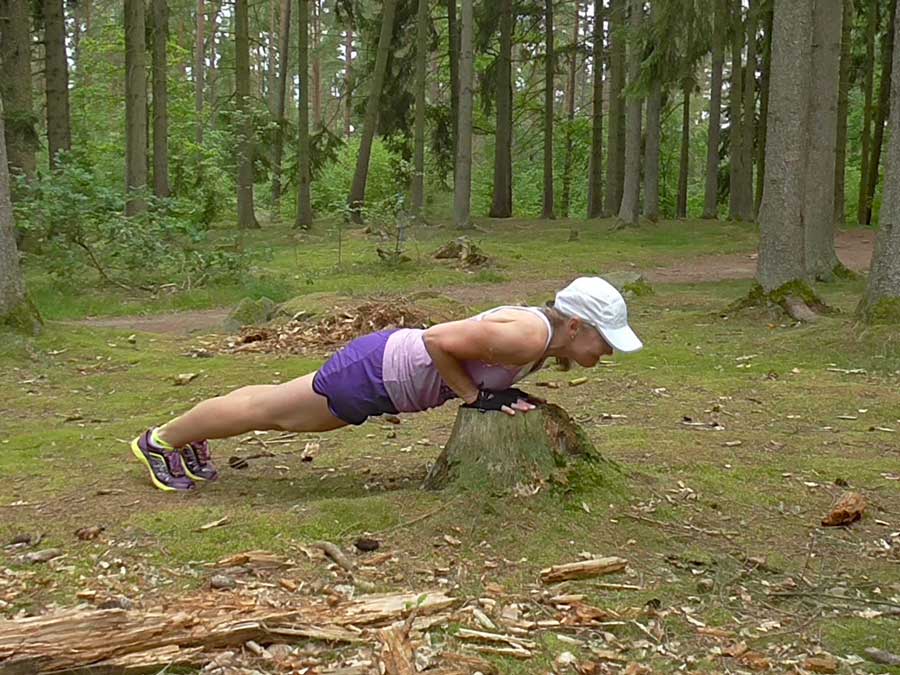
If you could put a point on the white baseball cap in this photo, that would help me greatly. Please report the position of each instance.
(597, 303)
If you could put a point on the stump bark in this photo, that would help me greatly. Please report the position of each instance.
(495, 451)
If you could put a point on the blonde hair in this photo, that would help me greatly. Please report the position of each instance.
(557, 322)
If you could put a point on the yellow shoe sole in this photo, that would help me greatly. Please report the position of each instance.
(136, 451)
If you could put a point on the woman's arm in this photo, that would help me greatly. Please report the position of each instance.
(514, 342)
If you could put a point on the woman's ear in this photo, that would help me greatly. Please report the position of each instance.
(573, 325)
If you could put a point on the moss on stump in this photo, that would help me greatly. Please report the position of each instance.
(497, 452)
(23, 318)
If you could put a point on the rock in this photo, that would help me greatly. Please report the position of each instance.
(705, 585)
(249, 312)
(629, 284)
(116, 602)
(222, 582)
(365, 544)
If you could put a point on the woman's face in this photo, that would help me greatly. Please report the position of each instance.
(586, 345)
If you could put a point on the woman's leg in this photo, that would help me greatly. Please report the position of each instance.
(292, 406)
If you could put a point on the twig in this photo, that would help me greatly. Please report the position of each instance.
(418, 519)
(833, 596)
(693, 528)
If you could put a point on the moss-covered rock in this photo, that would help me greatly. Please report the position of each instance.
(630, 284)
(250, 312)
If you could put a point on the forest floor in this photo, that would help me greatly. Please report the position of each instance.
(737, 432)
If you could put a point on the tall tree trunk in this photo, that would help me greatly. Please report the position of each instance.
(818, 208)
(462, 184)
(781, 247)
(881, 301)
(628, 210)
(304, 206)
(883, 111)
(211, 74)
(245, 149)
(735, 130)
(284, 59)
(711, 190)
(764, 79)
(358, 189)
(418, 179)
(595, 186)
(683, 165)
(135, 107)
(615, 164)
(59, 134)
(570, 113)
(748, 121)
(348, 82)
(840, 163)
(15, 308)
(501, 206)
(273, 56)
(868, 70)
(160, 100)
(651, 152)
(199, 68)
(15, 87)
(453, 48)
(549, 88)
(82, 19)
(316, 79)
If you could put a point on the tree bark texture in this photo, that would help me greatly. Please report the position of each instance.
(683, 164)
(547, 210)
(304, 216)
(882, 297)
(315, 85)
(735, 129)
(135, 107)
(245, 149)
(882, 112)
(748, 118)
(867, 83)
(370, 120)
(284, 58)
(781, 248)
(840, 163)
(160, 99)
(59, 134)
(595, 188)
(16, 88)
(418, 179)
(571, 85)
(651, 151)
(818, 208)
(631, 182)
(199, 68)
(615, 163)
(462, 183)
(348, 82)
(764, 79)
(711, 187)
(453, 49)
(501, 206)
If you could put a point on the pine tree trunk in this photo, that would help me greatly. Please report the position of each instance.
(135, 108)
(547, 210)
(748, 121)
(59, 135)
(16, 88)
(16, 310)
(881, 301)
(284, 58)
(348, 82)
(495, 452)
(199, 67)
(781, 248)
(501, 206)
(840, 163)
(595, 186)
(418, 178)
(631, 184)
(883, 111)
(711, 189)
(735, 128)
(358, 189)
(615, 164)
(764, 79)
(683, 165)
(651, 152)
(453, 49)
(316, 77)
(570, 114)
(462, 183)
(212, 73)
(304, 206)
(246, 215)
(868, 71)
(160, 100)
(818, 208)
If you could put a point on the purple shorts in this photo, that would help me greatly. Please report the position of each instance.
(352, 381)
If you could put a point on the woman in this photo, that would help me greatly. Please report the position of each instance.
(403, 370)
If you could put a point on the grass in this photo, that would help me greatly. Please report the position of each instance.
(695, 503)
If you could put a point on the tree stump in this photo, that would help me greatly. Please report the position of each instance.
(495, 451)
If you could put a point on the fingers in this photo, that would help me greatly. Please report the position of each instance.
(508, 410)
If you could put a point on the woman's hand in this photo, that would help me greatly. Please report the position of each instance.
(508, 401)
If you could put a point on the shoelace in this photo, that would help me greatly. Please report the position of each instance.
(174, 464)
(202, 451)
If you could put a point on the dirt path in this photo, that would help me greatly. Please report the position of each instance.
(854, 247)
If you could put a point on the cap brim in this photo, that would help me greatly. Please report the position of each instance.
(622, 339)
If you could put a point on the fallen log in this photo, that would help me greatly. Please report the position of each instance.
(583, 569)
